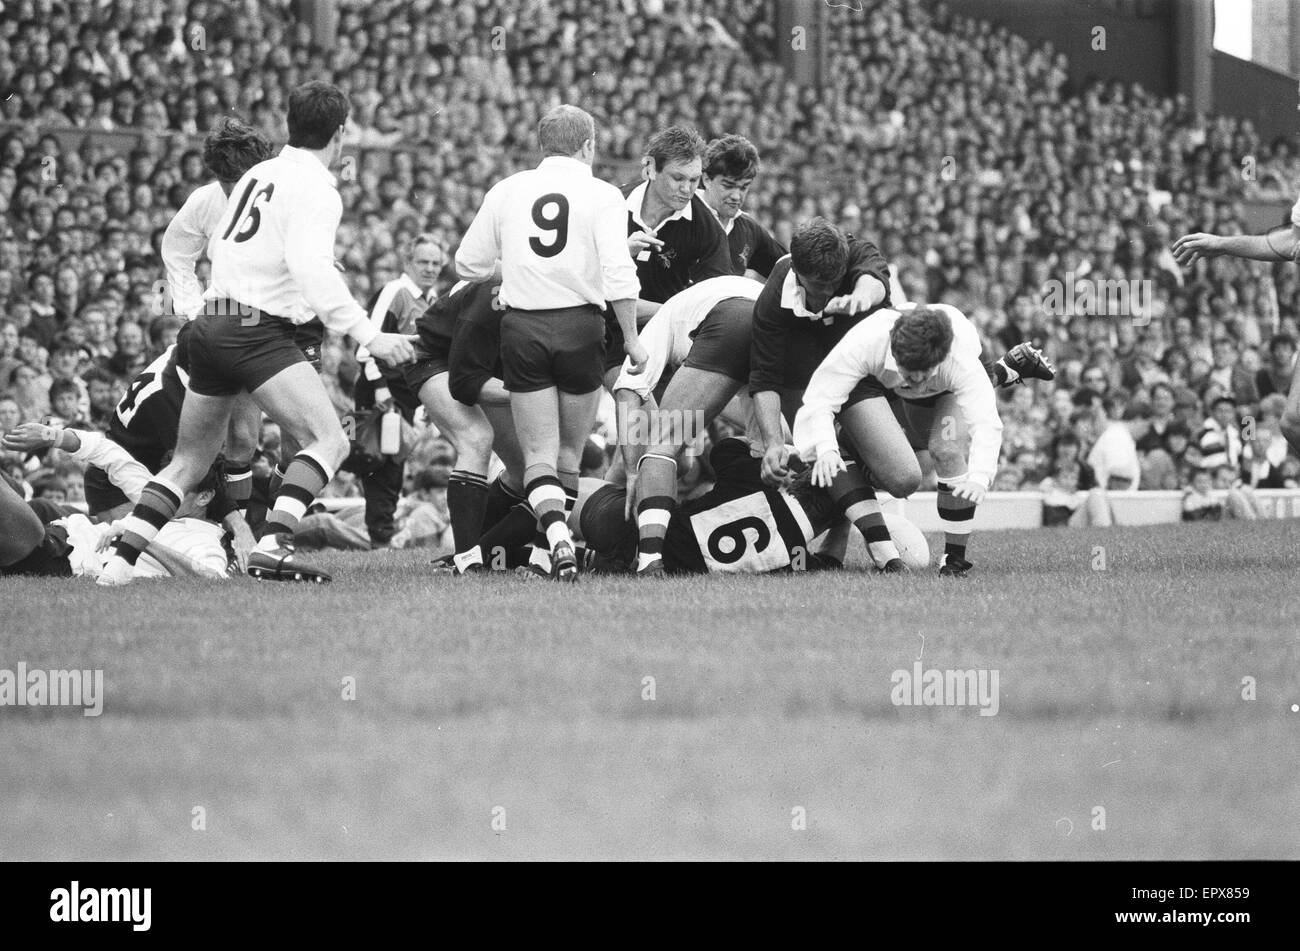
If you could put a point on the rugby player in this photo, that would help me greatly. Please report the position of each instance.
(395, 308)
(39, 538)
(741, 525)
(703, 333)
(272, 269)
(556, 233)
(1280, 244)
(730, 167)
(229, 150)
(457, 372)
(897, 382)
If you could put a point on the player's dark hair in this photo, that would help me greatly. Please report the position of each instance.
(732, 156)
(316, 110)
(674, 144)
(564, 129)
(820, 251)
(921, 338)
(232, 148)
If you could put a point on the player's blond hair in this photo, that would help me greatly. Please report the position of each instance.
(564, 129)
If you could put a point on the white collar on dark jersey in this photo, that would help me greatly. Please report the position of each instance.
(637, 196)
(792, 299)
(307, 160)
(726, 225)
(564, 161)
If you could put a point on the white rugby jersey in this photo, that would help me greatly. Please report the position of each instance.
(273, 248)
(864, 351)
(561, 237)
(667, 337)
(184, 242)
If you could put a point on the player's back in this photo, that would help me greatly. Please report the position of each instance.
(145, 420)
(248, 249)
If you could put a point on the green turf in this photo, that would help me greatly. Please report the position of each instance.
(1119, 688)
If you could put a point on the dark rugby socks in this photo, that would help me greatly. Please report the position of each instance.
(467, 497)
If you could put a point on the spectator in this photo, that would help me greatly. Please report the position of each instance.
(1276, 376)
(1071, 495)
(1220, 439)
(1114, 456)
(129, 357)
(1199, 501)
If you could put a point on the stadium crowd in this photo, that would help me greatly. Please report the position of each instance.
(961, 149)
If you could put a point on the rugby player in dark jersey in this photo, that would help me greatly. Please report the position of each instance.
(730, 167)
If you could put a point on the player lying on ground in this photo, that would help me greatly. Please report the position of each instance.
(272, 271)
(44, 539)
(741, 525)
(899, 382)
(1282, 244)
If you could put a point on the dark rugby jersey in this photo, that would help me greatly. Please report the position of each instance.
(146, 418)
(740, 525)
(752, 246)
(474, 348)
(695, 248)
(786, 349)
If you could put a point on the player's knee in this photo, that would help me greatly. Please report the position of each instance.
(900, 482)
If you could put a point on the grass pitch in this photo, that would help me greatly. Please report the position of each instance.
(497, 719)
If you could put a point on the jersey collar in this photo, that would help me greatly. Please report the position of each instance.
(637, 196)
(792, 299)
(726, 225)
(307, 160)
(565, 161)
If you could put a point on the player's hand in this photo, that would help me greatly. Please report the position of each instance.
(969, 491)
(637, 353)
(30, 437)
(242, 541)
(393, 349)
(1191, 248)
(848, 304)
(108, 533)
(638, 241)
(829, 464)
(775, 468)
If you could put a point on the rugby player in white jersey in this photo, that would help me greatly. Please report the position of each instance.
(272, 269)
(1280, 244)
(898, 382)
(558, 235)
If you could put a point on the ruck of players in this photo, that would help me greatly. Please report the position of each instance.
(798, 379)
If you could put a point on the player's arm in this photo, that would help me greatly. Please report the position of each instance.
(861, 352)
(480, 249)
(618, 270)
(179, 565)
(979, 408)
(1280, 244)
(769, 342)
(88, 447)
(309, 255)
(379, 311)
(869, 272)
(656, 337)
(182, 246)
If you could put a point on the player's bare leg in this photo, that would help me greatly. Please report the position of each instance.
(693, 398)
(949, 444)
(537, 421)
(577, 417)
(241, 443)
(296, 400)
(470, 434)
(200, 435)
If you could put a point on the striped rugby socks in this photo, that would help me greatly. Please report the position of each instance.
(547, 498)
(159, 502)
(861, 507)
(304, 479)
(657, 493)
(957, 517)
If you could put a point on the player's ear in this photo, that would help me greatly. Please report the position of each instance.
(648, 168)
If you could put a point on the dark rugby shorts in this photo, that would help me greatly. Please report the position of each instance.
(722, 340)
(563, 348)
(231, 349)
